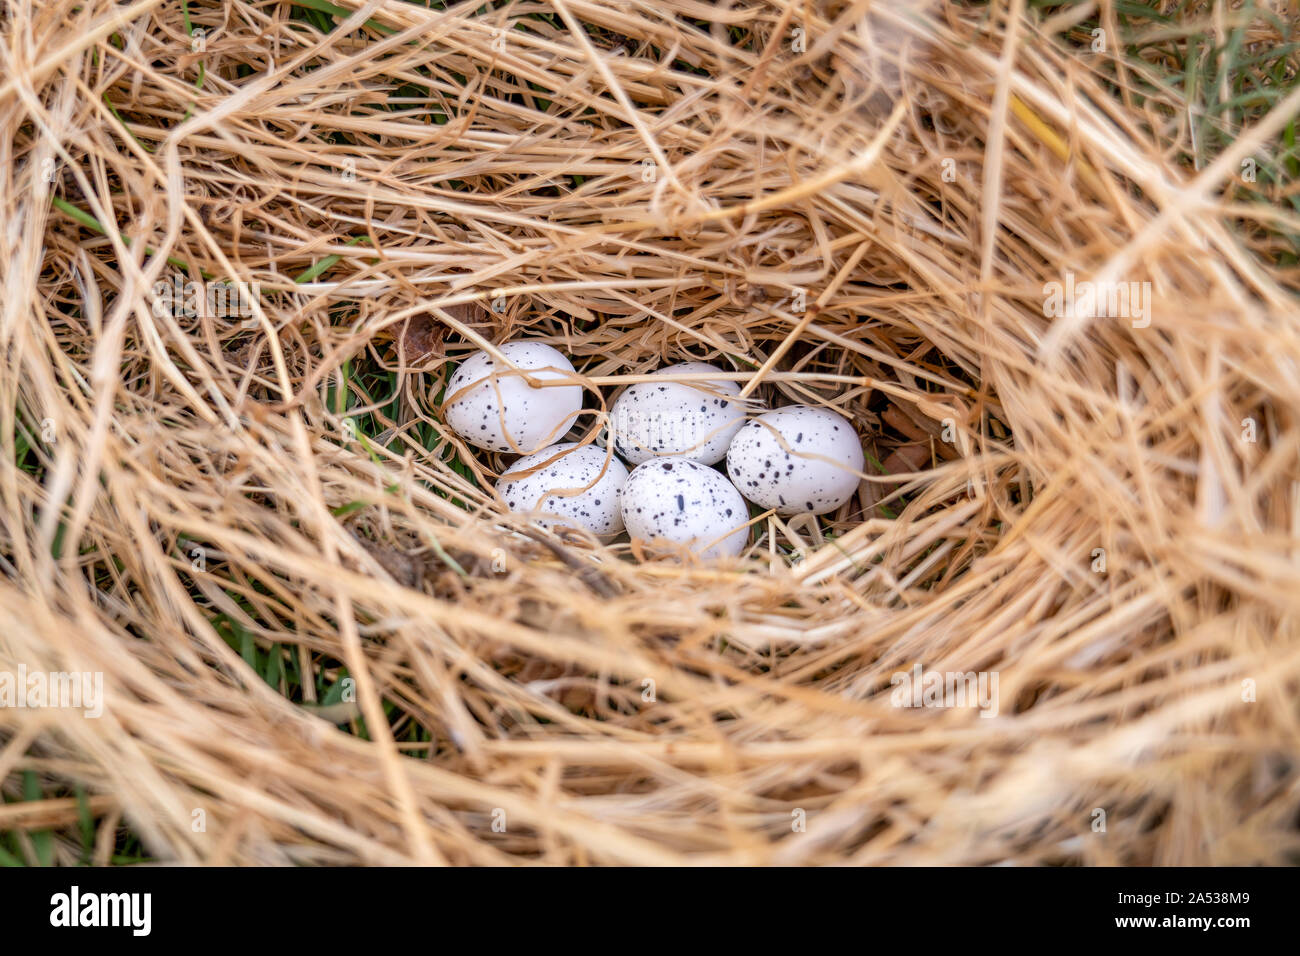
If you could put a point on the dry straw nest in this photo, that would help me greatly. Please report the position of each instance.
(1103, 512)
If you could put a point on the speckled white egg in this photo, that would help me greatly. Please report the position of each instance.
(652, 420)
(797, 459)
(530, 416)
(568, 467)
(685, 503)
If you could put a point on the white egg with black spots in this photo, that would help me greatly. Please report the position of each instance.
(534, 484)
(677, 419)
(491, 414)
(797, 459)
(686, 504)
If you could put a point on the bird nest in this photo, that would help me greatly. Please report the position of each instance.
(246, 245)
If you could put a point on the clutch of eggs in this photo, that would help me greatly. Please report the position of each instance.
(797, 459)
(495, 408)
(678, 419)
(569, 486)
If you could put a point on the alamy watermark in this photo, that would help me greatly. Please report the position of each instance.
(922, 688)
(1088, 299)
(638, 431)
(73, 690)
(133, 911)
(180, 297)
